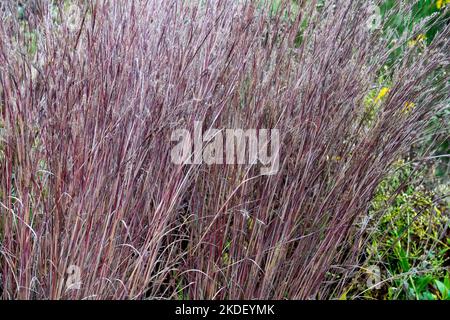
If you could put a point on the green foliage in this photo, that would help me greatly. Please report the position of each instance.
(409, 243)
(430, 13)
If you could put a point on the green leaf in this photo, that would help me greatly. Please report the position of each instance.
(403, 259)
(444, 291)
(428, 296)
(422, 283)
(343, 296)
(447, 281)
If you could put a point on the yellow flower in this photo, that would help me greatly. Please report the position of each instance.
(409, 106)
(334, 158)
(383, 92)
(419, 39)
(442, 3)
(412, 43)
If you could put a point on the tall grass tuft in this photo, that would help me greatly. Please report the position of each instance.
(90, 92)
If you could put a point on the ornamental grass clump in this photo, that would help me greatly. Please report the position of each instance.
(92, 205)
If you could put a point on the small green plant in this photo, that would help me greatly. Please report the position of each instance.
(409, 243)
